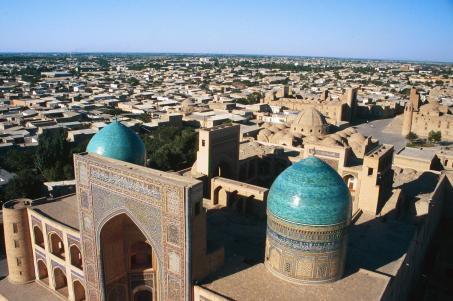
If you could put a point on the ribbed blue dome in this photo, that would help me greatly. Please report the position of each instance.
(310, 192)
(118, 142)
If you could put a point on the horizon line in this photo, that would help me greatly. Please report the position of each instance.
(228, 54)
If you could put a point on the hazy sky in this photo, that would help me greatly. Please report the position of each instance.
(389, 29)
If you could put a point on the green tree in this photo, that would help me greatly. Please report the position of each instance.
(133, 81)
(144, 117)
(411, 136)
(439, 82)
(251, 99)
(25, 184)
(406, 91)
(113, 111)
(434, 136)
(171, 148)
(17, 159)
(53, 155)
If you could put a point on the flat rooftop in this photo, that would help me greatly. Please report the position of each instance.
(376, 250)
(417, 154)
(257, 283)
(64, 210)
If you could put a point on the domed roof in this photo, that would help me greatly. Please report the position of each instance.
(118, 142)
(310, 192)
(310, 117)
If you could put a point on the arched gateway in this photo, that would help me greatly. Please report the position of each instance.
(128, 259)
(134, 230)
(134, 221)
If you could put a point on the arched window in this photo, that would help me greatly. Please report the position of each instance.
(79, 291)
(140, 255)
(76, 256)
(61, 283)
(143, 295)
(39, 237)
(43, 275)
(350, 182)
(56, 245)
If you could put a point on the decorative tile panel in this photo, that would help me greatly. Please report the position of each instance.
(155, 206)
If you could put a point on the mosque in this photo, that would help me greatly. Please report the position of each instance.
(210, 233)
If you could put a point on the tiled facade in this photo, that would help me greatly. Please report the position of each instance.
(154, 202)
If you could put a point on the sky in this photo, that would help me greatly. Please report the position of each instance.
(384, 29)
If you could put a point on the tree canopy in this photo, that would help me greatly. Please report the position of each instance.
(170, 148)
(434, 136)
(251, 99)
(51, 160)
(167, 147)
(53, 156)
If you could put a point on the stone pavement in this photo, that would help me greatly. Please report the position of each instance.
(24, 292)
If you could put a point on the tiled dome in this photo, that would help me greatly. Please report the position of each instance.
(117, 141)
(310, 192)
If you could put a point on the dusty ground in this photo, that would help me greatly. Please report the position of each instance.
(385, 130)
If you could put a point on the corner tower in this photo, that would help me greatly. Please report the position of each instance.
(18, 242)
(309, 209)
(407, 118)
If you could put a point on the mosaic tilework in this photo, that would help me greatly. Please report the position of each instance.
(108, 202)
(156, 207)
(36, 222)
(55, 264)
(309, 210)
(50, 229)
(119, 142)
(77, 276)
(72, 240)
(84, 199)
(173, 233)
(40, 255)
(310, 192)
(121, 182)
(305, 253)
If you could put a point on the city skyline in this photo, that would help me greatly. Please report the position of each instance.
(413, 31)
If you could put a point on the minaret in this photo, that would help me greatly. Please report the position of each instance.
(414, 99)
(350, 98)
(407, 121)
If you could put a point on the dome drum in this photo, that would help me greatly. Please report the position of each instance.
(309, 210)
(305, 254)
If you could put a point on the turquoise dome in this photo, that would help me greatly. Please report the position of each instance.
(117, 141)
(310, 192)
